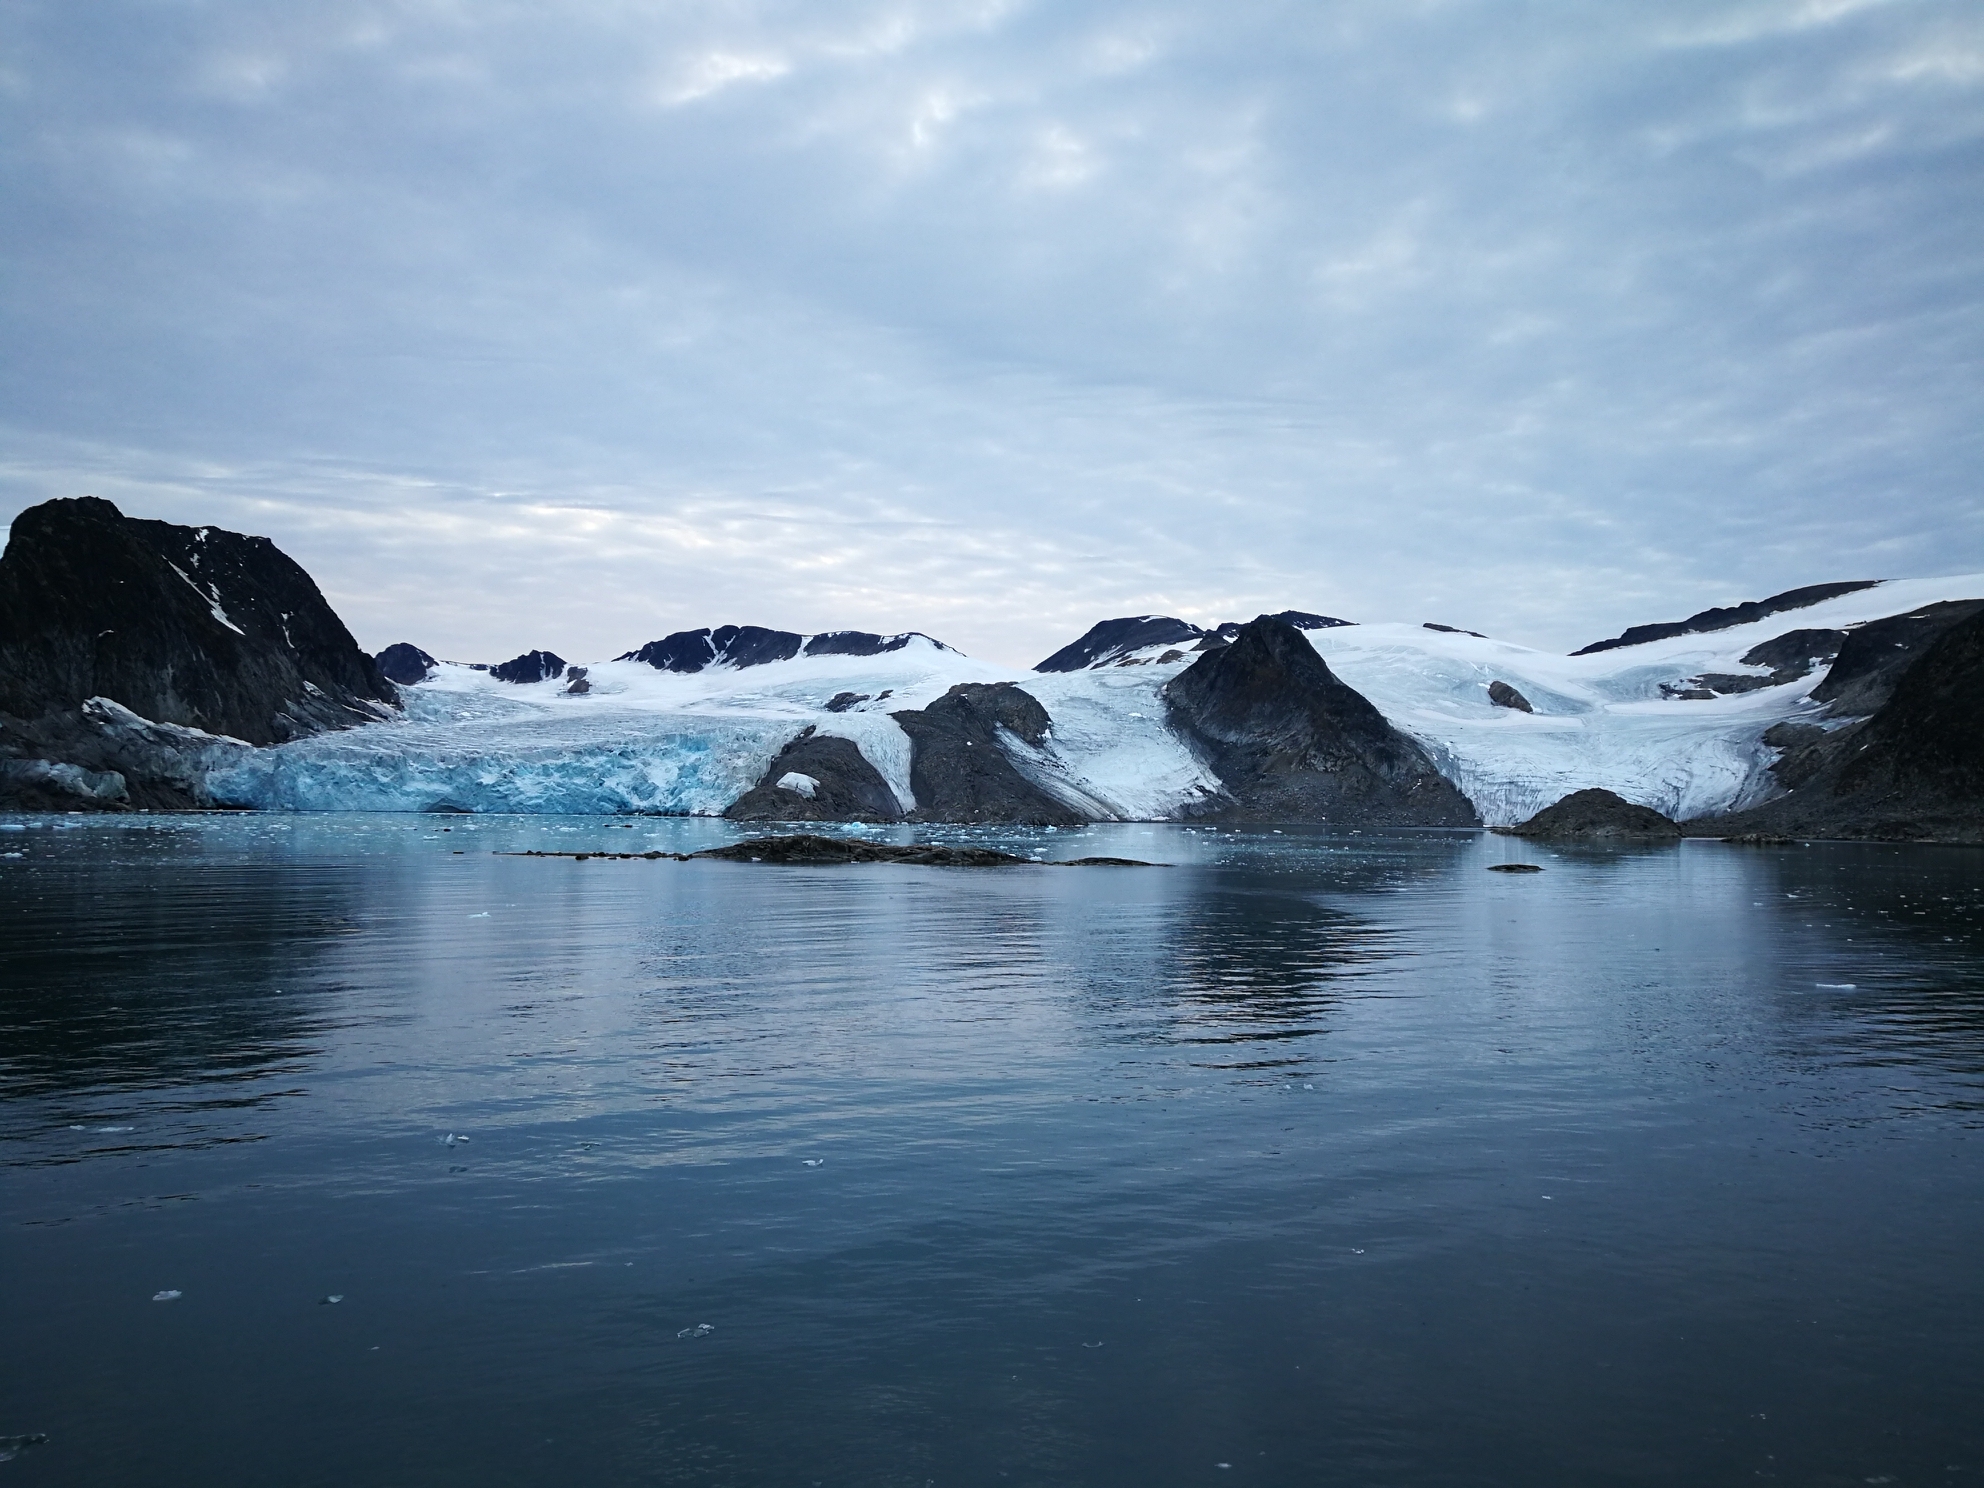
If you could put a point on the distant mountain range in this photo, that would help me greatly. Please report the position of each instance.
(149, 665)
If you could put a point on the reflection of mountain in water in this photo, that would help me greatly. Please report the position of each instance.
(195, 977)
(1249, 967)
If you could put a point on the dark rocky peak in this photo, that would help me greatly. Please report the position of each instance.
(1300, 619)
(729, 645)
(864, 643)
(1290, 741)
(1110, 639)
(998, 704)
(1873, 657)
(1113, 640)
(817, 777)
(532, 666)
(194, 626)
(1732, 615)
(1598, 816)
(405, 663)
(1795, 651)
(959, 770)
(1790, 657)
(1914, 770)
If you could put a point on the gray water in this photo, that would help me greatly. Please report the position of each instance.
(1308, 1159)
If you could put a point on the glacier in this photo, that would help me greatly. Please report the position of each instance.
(650, 741)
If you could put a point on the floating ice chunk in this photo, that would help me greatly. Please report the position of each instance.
(483, 916)
(168, 1295)
(814, 1162)
(1837, 986)
(452, 1139)
(332, 1300)
(12, 1446)
(701, 1330)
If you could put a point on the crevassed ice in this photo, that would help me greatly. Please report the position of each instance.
(651, 741)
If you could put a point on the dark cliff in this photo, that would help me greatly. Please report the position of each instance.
(1291, 742)
(959, 770)
(1913, 771)
(188, 626)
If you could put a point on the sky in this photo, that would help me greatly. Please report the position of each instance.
(572, 323)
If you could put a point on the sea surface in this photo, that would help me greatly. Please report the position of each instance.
(349, 1150)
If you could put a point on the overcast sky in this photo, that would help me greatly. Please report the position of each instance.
(571, 324)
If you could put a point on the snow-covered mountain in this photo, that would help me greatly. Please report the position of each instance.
(1629, 718)
(145, 664)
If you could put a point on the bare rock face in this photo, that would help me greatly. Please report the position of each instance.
(959, 770)
(1504, 696)
(818, 778)
(1598, 816)
(186, 625)
(405, 663)
(1291, 742)
(1872, 658)
(532, 666)
(192, 630)
(1914, 771)
(1729, 616)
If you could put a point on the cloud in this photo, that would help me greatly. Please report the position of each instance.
(570, 324)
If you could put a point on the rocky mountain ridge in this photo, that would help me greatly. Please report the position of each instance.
(111, 625)
(143, 664)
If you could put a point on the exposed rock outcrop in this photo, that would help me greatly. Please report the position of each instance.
(127, 646)
(532, 666)
(864, 643)
(753, 645)
(1790, 657)
(1729, 616)
(1873, 657)
(817, 777)
(1598, 816)
(1913, 771)
(1290, 742)
(959, 770)
(1109, 640)
(1504, 696)
(1794, 654)
(735, 645)
(405, 663)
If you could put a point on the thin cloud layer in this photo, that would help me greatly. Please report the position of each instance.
(567, 325)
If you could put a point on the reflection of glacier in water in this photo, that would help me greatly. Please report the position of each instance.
(651, 741)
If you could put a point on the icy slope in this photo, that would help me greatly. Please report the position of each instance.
(640, 740)
(1601, 719)
(648, 740)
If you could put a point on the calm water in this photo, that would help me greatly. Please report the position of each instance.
(1308, 1160)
